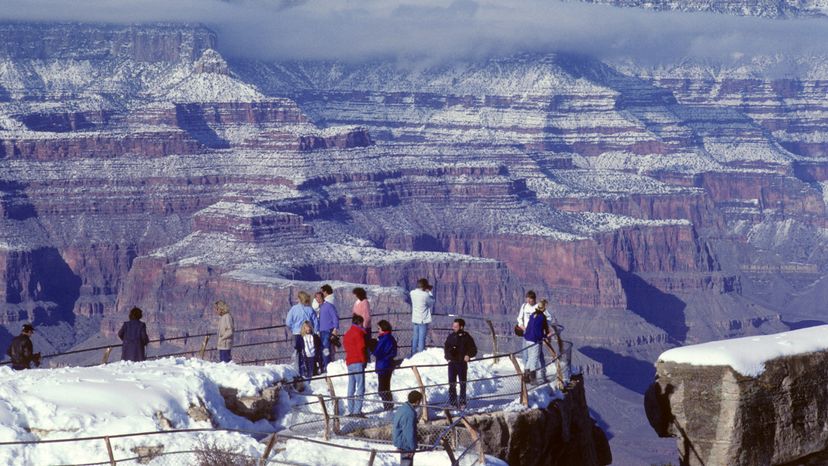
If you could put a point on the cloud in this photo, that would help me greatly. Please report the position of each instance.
(448, 30)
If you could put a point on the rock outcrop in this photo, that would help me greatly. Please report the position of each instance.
(721, 417)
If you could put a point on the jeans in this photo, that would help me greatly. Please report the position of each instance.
(327, 351)
(535, 361)
(406, 459)
(457, 369)
(384, 381)
(418, 339)
(308, 365)
(224, 355)
(356, 387)
(524, 353)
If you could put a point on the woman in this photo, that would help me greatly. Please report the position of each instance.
(385, 352)
(537, 330)
(362, 308)
(134, 335)
(225, 331)
(296, 317)
(311, 351)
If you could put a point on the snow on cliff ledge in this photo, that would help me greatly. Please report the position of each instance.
(748, 355)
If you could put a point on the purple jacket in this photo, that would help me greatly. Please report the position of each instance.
(328, 317)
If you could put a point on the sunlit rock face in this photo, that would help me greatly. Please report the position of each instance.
(141, 166)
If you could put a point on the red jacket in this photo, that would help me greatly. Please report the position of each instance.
(354, 343)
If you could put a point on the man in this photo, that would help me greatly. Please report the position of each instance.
(327, 295)
(404, 429)
(356, 357)
(21, 350)
(422, 303)
(328, 326)
(526, 311)
(459, 349)
(225, 331)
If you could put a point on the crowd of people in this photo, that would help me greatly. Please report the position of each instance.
(314, 324)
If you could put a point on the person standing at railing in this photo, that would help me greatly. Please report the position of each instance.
(311, 351)
(404, 428)
(385, 352)
(21, 350)
(356, 356)
(422, 304)
(526, 311)
(362, 308)
(297, 315)
(537, 330)
(225, 331)
(328, 326)
(459, 350)
(134, 335)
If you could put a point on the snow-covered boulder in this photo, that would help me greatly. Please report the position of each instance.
(747, 401)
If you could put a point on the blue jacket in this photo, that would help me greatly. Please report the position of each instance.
(405, 428)
(385, 352)
(536, 328)
(297, 315)
(328, 317)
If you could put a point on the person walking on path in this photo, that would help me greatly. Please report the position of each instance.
(311, 350)
(356, 357)
(134, 335)
(385, 352)
(404, 428)
(422, 304)
(296, 316)
(537, 330)
(362, 308)
(21, 351)
(225, 331)
(459, 350)
(328, 326)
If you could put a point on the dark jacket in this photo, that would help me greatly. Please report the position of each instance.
(458, 345)
(537, 328)
(134, 335)
(355, 345)
(385, 352)
(21, 352)
(404, 429)
(299, 345)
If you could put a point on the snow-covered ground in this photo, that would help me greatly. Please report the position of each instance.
(125, 398)
(153, 396)
(748, 355)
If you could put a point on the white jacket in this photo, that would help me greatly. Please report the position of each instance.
(422, 303)
(225, 332)
(526, 311)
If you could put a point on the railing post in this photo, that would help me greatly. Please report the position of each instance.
(557, 358)
(450, 420)
(372, 458)
(449, 451)
(109, 451)
(336, 426)
(203, 347)
(106, 354)
(331, 390)
(524, 394)
(475, 439)
(494, 340)
(424, 415)
(268, 449)
(327, 416)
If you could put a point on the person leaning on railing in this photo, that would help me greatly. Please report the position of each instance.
(404, 429)
(225, 331)
(459, 349)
